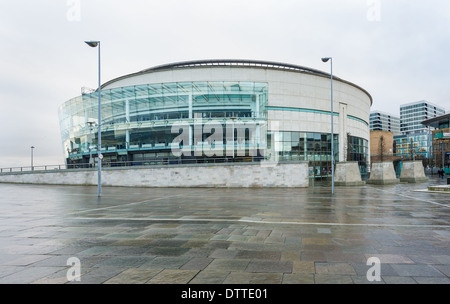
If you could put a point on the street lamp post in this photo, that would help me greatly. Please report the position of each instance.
(90, 123)
(99, 147)
(232, 129)
(326, 59)
(32, 166)
(429, 146)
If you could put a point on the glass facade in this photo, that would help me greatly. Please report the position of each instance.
(316, 149)
(140, 122)
(302, 146)
(380, 121)
(358, 150)
(413, 146)
(412, 115)
(184, 122)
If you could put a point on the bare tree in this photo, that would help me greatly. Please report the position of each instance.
(382, 147)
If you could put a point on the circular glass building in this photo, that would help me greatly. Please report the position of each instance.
(219, 111)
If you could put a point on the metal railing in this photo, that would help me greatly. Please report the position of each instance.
(34, 168)
(145, 162)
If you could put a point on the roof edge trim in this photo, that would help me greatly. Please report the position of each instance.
(235, 63)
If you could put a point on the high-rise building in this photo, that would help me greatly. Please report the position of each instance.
(412, 114)
(415, 141)
(381, 121)
(440, 157)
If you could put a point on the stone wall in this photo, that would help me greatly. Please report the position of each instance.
(205, 175)
(382, 173)
(413, 172)
(348, 174)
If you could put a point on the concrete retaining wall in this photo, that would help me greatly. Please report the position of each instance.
(207, 175)
(382, 173)
(413, 172)
(348, 174)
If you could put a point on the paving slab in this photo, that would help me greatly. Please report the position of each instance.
(253, 278)
(134, 276)
(298, 278)
(228, 264)
(398, 280)
(334, 268)
(270, 266)
(173, 276)
(221, 236)
(210, 277)
(332, 279)
(417, 270)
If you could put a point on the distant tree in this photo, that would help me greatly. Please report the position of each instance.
(382, 147)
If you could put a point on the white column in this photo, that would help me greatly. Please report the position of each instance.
(127, 110)
(191, 127)
(257, 106)
(127, 138)
(342, 132)
(127, 117)
(258, 128)
(86, 126)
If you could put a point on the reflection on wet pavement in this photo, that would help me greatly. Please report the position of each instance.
(198, 236)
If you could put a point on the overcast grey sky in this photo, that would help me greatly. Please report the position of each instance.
(395, 49)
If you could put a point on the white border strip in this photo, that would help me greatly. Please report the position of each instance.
(255, 222)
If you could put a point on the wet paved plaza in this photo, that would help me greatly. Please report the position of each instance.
(221, 236)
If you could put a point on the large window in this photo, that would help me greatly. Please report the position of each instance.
(140, 117)
(303, 146)
(358, 150)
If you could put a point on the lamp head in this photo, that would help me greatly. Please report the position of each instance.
(92, 43)
(325, 59)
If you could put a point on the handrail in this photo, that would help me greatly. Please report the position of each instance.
(144, 162)
(30, 169)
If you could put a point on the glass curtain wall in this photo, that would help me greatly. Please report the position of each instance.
(138, 118)
(304, 146)
(358, 150)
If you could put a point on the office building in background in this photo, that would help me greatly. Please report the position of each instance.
(415, 141)
(381, 121)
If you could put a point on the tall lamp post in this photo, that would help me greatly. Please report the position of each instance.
(99, 147)
(90, 123)
(233, 119)
(32, 166)
(326, 59)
